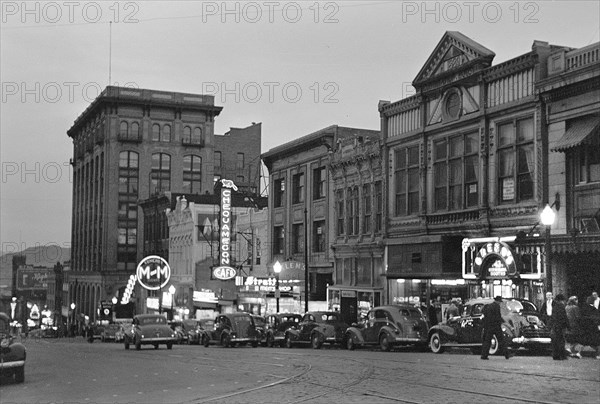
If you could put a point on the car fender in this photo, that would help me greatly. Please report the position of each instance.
(356, 334)
(445, 332)
(387, 329)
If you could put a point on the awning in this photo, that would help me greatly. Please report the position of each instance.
(579, 132)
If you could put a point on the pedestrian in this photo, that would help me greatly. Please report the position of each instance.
(573, 336)
(596, 300)
(558, 326)
(492, 326)
(590, 326)
(452, 310)
(431, 313)
(460, 305)
(546, 309)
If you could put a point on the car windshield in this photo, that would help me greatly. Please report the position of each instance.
(153, 320)
(409, 312)
(291, 319)
(259, 321)
(189, 323)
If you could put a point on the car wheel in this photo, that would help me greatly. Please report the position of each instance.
(20, 374)
(126, 342)
(288, 341)
(435, 343)
(169, 345)
(384, 343)
(350, 345)
(316, 341)
(495, 346)
(205, 341)
(270, 341)
(138, 343)
(226, 341)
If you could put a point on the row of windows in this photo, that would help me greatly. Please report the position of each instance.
(456, 179)
(319, 180)
(298, 234)
(239, 162)
(355, 207)
(131, 131)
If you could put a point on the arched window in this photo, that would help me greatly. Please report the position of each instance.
(124, 130)
(135, 131)
(156, 132)
(160, 175)
(192, 174)
(187, 135)
(197, 138)
(166, 134)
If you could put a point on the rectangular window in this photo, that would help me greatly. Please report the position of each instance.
(588, 165)
(367, 206)
(319, 178)
(516, 165)
(240, 161)
(298, 188)
(278, 192)
(278, 240)
(218, 159)
(406, 181)
(340, 203)
(298, 238)
(378, 207)
(319, 236)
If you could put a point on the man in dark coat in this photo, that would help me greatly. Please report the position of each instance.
(559, 324)
(492, 325)
(590, 326)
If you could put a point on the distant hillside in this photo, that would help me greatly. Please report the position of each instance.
(39, 256)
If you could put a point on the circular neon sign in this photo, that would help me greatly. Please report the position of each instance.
(153, 272)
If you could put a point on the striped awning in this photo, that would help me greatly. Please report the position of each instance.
(581, 131)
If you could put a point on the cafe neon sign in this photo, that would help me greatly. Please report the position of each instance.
(225, 271)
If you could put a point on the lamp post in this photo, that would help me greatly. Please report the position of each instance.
(547, 216)
(277, 269)
(172, 291)
(72, 319)
(306, 283)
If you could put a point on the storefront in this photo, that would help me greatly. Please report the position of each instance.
(205, 304)
(493, 266)
(352, 303)
(258, 295)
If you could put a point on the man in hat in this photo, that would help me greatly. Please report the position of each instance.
(492, 326)
(559, 324)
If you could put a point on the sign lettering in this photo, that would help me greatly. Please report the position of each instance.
(153, 272)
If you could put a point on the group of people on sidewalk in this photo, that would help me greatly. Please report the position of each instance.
(572, 327)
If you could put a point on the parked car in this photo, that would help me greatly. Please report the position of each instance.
(205, 327)
(521, 328)
(109, 333)
(191, 329)
(277, 324)
(12, 353)
(125, 329)
(180, 333)
(232, 329)
(150, 329)
(316, 329)
(388, 327)
(94, 331)
(260, 324)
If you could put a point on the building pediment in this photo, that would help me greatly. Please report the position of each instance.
(454, 52)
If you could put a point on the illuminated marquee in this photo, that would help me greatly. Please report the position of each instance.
(225, 271)
(153, 272)
(496, 260)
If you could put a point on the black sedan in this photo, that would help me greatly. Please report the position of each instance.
(317, 328)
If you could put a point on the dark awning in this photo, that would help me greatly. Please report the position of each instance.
(579, 132)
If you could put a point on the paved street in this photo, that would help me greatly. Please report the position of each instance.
(73, 371)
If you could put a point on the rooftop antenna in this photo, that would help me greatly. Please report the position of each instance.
(110, 53)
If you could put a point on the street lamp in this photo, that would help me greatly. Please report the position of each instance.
(172, 291)
(547, 216)
(71, 329)
(277, 269)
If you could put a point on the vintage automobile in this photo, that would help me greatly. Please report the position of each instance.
(317, 328)
(389, 327)
(232, 329)
(12, 353)
(205, 326)
(191, 329)
(94, 331)
(261, 328)
(180, 333)
(125, 329)
(109, 333)
(521, 328)
(150, 329)
(277, 324)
